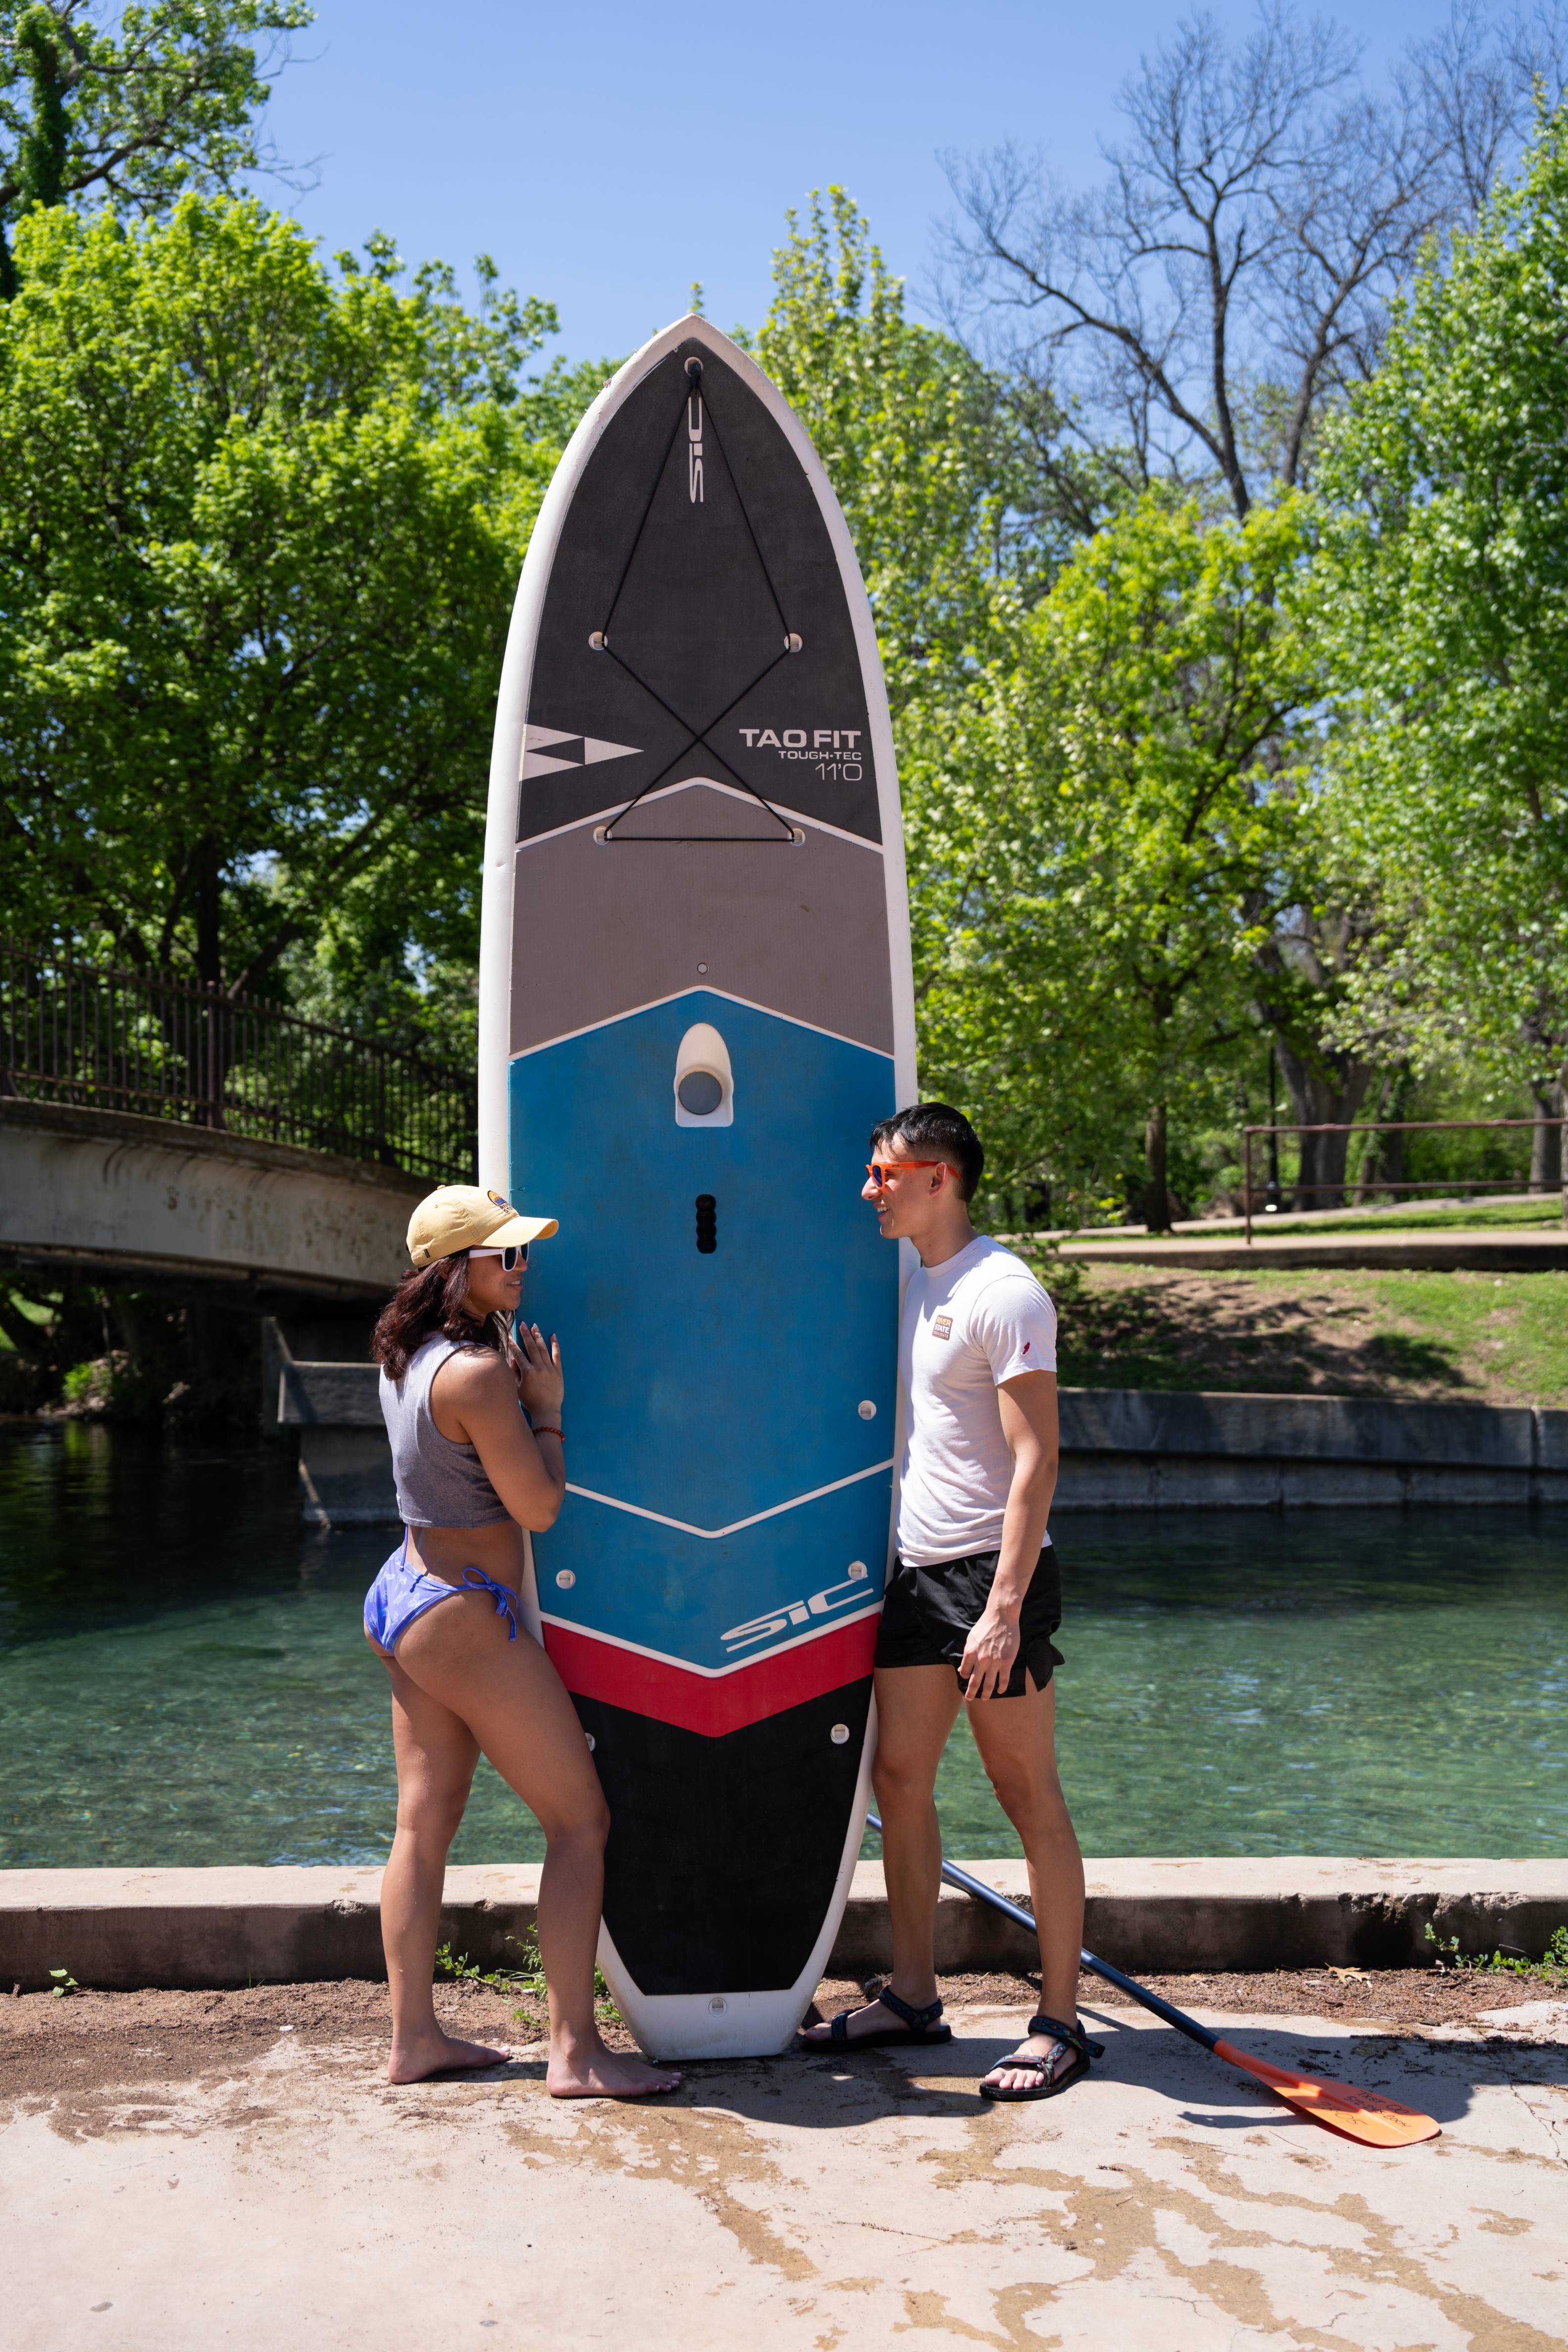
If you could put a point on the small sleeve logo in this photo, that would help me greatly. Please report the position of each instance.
(941, 1326)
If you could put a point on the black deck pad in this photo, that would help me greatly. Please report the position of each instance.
(732, 1900)
(696, 601)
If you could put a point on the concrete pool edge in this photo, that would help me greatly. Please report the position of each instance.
(122, 1929)
(1121, 1449)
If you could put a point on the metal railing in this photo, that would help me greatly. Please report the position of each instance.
(115, 1040)
(1449, 1185)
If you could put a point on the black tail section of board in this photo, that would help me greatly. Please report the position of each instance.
(724, 1854)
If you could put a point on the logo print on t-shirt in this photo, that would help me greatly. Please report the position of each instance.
(941, 1326)
(1027, 1345)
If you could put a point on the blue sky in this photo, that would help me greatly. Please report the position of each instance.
(608, 154)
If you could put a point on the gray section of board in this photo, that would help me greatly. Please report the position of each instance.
(801, 931)
(121, 1928)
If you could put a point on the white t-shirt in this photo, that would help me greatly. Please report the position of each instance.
(975, 1320)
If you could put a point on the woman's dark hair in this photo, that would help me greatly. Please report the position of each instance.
(937, 1130)
(431, 1301)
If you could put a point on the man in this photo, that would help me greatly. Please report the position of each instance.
(974, 1595)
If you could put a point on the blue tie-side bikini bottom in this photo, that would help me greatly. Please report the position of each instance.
(402, 1593)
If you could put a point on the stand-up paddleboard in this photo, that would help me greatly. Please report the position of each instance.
(695, 1000)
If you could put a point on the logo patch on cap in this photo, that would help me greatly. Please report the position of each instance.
(501, 1201)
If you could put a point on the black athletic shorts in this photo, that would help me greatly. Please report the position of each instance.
(928, 1614)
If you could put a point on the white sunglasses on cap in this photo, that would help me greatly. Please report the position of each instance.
(514, 1255)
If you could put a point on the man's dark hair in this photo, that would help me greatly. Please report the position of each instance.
(936, 1131)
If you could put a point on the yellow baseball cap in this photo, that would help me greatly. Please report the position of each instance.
(465, 1216)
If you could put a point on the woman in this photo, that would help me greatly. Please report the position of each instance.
(443, 1615)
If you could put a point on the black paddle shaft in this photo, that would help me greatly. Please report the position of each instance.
(968, 1884)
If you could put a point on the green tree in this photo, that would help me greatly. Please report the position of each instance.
(136, 105)
(1443, 590)
(260, 529)
(960, 490)
(1105, 841)
(967, 489)
(551, 406)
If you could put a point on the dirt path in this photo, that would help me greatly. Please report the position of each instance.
(93, 2043)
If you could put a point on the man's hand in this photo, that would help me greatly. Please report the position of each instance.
(988, 1655)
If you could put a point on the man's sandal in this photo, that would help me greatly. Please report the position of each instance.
(919, 2027)
(1069, 2037)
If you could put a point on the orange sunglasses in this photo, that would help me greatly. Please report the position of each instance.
(879, 1171)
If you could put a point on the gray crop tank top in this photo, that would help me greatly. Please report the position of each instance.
(440, 1483)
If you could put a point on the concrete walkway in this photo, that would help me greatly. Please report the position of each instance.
(1492, 1249)
(294, 2198)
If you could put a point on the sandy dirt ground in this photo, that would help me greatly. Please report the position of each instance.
(232, 2169)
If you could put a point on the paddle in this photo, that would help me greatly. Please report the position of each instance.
(1365, 2115)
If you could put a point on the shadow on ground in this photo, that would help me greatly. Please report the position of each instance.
(1141, 1329)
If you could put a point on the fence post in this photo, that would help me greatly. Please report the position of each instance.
(1246, 1179)
(215, 1057)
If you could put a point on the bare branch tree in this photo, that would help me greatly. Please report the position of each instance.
(1233, 272)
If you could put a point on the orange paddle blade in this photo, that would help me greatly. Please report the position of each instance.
(1367, 2115)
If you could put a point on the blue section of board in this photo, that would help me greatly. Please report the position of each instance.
(708, 1387)
(721, 1604)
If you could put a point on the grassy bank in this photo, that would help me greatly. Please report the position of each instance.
(1435, 1216)
(1471, 1338)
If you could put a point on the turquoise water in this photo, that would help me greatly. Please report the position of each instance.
(183, 1678)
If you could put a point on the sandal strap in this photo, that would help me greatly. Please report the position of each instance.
(1073, 2035)
(839, 2027)
(1018, 2062)
(919, 2021)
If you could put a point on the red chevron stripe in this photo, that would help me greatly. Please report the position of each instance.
(712, 1705)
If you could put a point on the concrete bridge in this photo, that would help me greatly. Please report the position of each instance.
(154, 1201)
(310, 1242)
(157, 1136)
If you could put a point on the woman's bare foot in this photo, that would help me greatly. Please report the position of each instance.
(434, 2053)
(587, 2070)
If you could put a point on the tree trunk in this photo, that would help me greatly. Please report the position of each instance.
(1384, 1161)
(1327, 1090)
(1157, 1196)
(1546, 1140)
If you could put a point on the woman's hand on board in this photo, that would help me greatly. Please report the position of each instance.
(541, 1384)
